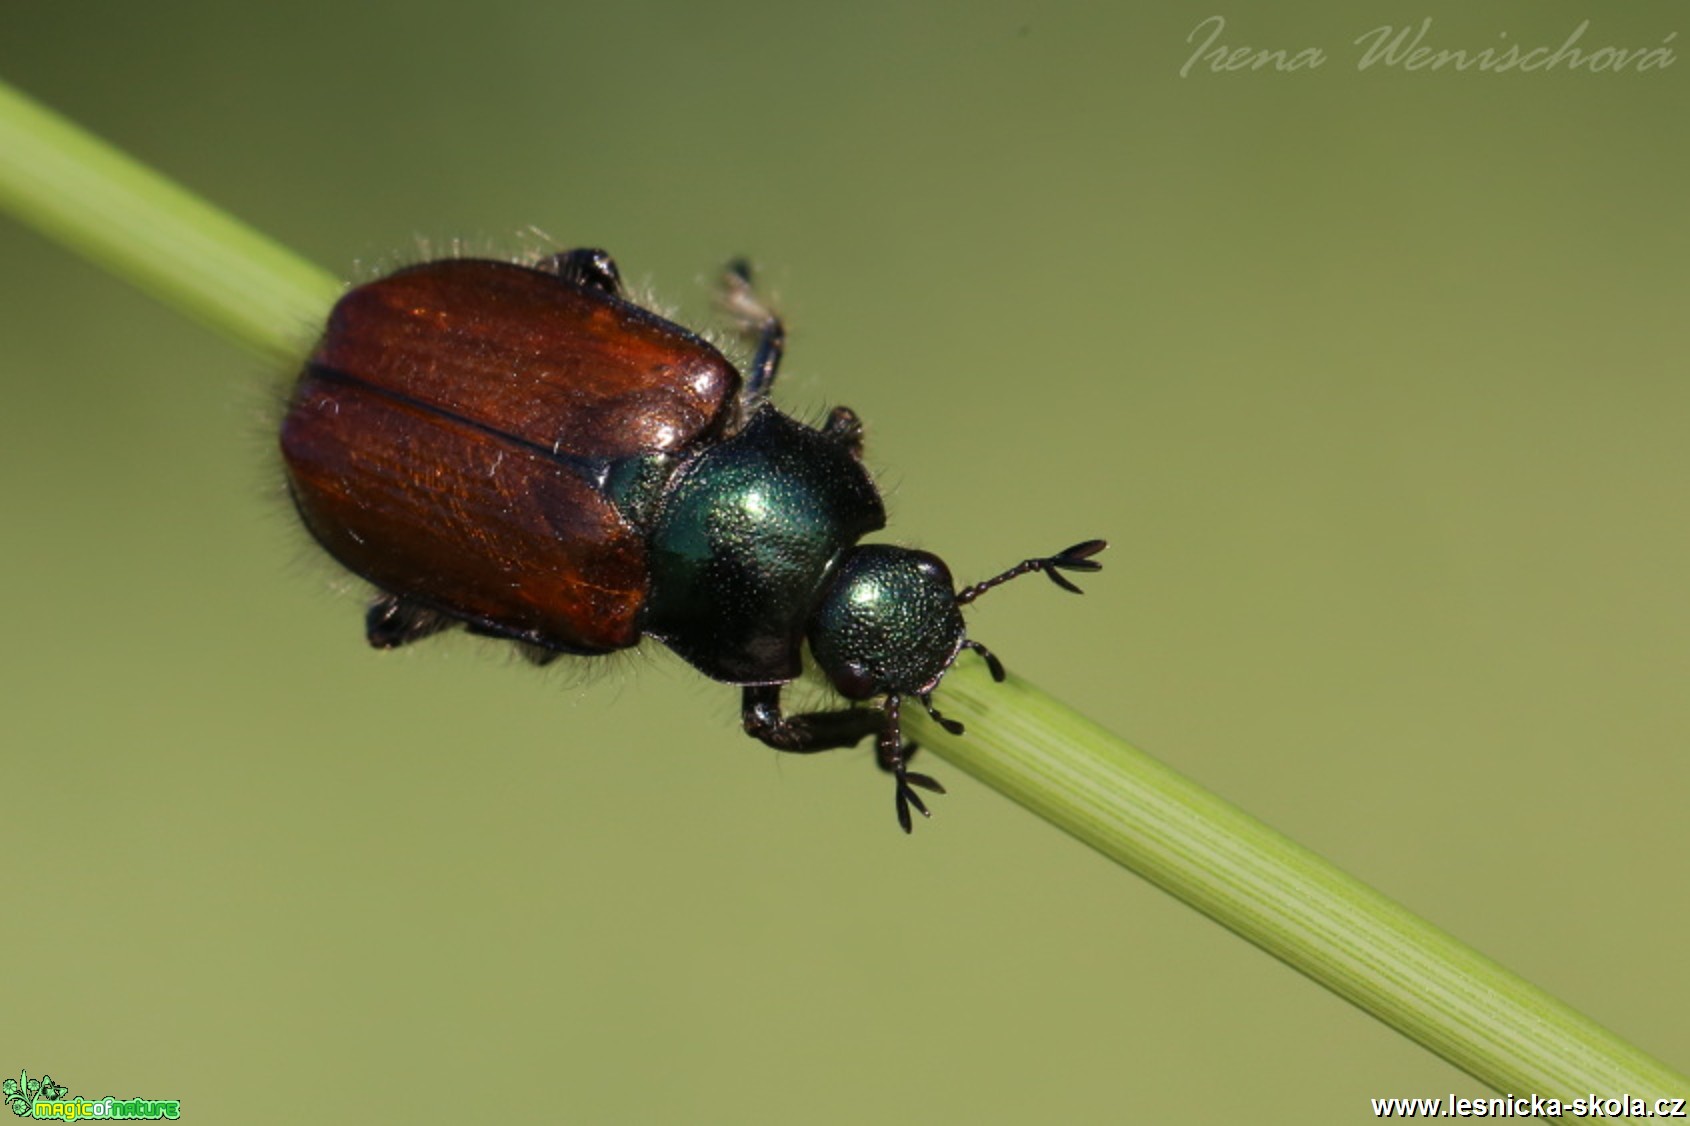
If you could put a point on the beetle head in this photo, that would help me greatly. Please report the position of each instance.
(890, 623)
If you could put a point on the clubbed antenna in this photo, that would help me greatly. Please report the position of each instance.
(1076, 558)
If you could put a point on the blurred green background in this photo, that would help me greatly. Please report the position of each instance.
(1373, 378)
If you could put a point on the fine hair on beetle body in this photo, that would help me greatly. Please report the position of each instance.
(522, 451)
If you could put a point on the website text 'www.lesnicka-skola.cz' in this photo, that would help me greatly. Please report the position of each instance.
(1533, 1106)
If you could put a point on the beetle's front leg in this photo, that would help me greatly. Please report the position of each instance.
(807, 732)
(893, 755)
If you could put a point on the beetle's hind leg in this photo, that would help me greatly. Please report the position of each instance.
(756, 319)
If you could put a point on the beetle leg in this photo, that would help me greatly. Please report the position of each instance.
(537, 655)
(393, 621)
(844, 427)
(893, 755)
(587, 268)
(807, 732)
(825, 731)
(757, 319)
(771, 342)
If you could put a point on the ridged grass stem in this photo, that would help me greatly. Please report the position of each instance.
(1298, 907)
(123, 216)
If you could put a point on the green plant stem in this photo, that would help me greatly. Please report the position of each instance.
(121, 215)
(1298, 907)
(1207, 852)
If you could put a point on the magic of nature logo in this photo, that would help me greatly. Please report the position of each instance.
(43, 1098)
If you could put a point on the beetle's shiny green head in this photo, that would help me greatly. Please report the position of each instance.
(889, 623)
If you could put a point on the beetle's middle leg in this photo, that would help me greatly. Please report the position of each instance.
(393, 621)
(844, 427)
(586, 267)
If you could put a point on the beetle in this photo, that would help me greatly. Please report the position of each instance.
(522, 451)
